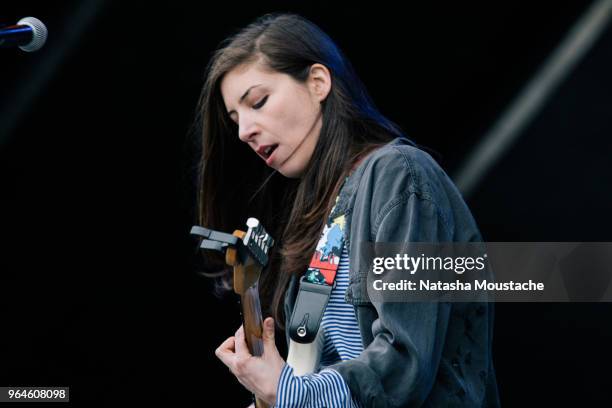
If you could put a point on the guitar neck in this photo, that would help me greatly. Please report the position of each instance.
(252, 320)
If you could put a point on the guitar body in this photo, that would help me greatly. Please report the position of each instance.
(304, 358)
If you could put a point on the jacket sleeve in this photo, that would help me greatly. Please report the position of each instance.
(398, 368)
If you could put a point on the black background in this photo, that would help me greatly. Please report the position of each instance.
(98, 282)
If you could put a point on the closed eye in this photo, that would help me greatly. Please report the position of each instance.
(260, 103)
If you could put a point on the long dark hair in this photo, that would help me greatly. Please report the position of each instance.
(235, 184)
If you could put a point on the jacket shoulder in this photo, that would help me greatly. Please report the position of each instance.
(398, 168)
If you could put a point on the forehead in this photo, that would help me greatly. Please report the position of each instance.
(236, 82)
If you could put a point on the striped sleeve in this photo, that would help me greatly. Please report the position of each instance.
(324, 389)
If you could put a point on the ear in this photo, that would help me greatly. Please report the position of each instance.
(319, 82)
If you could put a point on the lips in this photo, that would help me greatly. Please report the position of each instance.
(266, 151)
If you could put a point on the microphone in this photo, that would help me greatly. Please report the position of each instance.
(29, 34)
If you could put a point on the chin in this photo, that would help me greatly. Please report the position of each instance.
(292, 173)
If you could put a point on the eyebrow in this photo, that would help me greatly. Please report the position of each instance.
(244, 96)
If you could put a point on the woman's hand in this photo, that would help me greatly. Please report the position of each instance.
(260, 375)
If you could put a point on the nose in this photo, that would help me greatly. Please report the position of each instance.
(246, 129)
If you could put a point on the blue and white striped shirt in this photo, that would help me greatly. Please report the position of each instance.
(342, 342)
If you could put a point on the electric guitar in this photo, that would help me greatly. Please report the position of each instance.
(247, 252)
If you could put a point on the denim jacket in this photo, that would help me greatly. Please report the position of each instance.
(415, 353)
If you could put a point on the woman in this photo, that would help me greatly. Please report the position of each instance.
(280, 97)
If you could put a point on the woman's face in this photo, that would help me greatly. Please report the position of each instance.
(278, 117)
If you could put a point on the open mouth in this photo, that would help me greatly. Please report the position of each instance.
(268, 152)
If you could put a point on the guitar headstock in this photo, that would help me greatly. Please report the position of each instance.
(257, 241)
(246, 251)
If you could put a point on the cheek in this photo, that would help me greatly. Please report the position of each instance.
(294, 117)
(282, 117)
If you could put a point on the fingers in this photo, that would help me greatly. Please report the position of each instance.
(260, 375)
(268, 334)
(225, 352)
(242, 349)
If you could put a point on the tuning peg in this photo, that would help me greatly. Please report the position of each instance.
(252, 222)
(214, 245)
